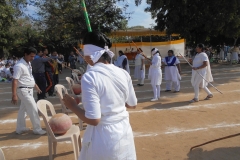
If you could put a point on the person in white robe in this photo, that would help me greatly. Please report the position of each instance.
(122, 61)
(139, 71)
(155, 74)
(235, 52)
(201, 68)
(107, 91)
(172, 72)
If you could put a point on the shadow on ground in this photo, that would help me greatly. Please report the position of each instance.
(231, 153)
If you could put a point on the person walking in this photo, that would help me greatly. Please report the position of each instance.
(38, 68)
(22, 88)
(201, 68)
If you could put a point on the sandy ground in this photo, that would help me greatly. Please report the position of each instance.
(164, 130)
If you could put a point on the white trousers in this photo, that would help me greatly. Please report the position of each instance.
(196, 91)
(141, 81)
(156, 91)
(176, 85)
(29, 106)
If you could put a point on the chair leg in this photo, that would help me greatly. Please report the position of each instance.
(55, 148)
(75, 146)
(50, 146)
(80, 124)
(79, 143)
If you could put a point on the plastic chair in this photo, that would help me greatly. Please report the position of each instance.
(75, 78)
(70, 82)
(2, 157)
(73, 134)
(60, 89)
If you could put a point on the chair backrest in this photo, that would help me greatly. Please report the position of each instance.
(70, 82)
(76, 71)
(75, 77)
(60, 89)
(82, 70)
(42, 107)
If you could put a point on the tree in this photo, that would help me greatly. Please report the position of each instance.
(63, 21)
(6, 19)
(197, 20)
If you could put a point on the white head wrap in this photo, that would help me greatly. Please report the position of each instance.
(96, 52)
(154, 51)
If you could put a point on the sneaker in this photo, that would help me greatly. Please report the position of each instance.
(23, 131)
(41, 132)
(154, 99)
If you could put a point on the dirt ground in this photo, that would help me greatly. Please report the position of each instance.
(163, 130)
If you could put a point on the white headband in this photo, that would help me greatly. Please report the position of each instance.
(154, 51)
(96, 52)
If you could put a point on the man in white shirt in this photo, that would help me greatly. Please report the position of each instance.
(22, 88)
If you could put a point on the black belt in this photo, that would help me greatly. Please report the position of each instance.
(26, 87)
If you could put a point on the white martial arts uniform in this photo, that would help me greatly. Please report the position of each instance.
(155, 75)
(23, 73)
(105, 90)
(138, 72)
(171, 72)
(120, 61)
(196, 80)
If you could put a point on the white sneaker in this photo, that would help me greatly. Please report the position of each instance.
(154, 99)
(23, 131)
(41, 132)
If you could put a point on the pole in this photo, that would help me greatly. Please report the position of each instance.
(230, 136)
(140, 51)
(86, 16)
(200, 74)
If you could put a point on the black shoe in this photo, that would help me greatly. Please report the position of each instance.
(141, 84)
(167, 90)
(138, 84)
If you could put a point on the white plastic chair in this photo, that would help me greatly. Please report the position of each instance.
(70, 82)
(73, 134)
(2, 157)
(75, 78)
(60, 89)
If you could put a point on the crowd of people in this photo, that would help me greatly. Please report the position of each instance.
(6, 68)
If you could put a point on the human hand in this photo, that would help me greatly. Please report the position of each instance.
(194, 68)
(14, 99)
(69, 101)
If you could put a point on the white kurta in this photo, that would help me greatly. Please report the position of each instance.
(205, 72)
(171, 72)
(120, 61)
(155, 72)
(138, 65)
(105, 90)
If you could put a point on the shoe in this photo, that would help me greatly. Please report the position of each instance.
(208, 97)
(41, 132)
(154, 99)
(141, 84)
(194, 100)
(138, 84)
(23, 131)
(167, 90)
(52, 95)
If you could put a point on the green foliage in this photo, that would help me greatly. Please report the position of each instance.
(198, 20)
